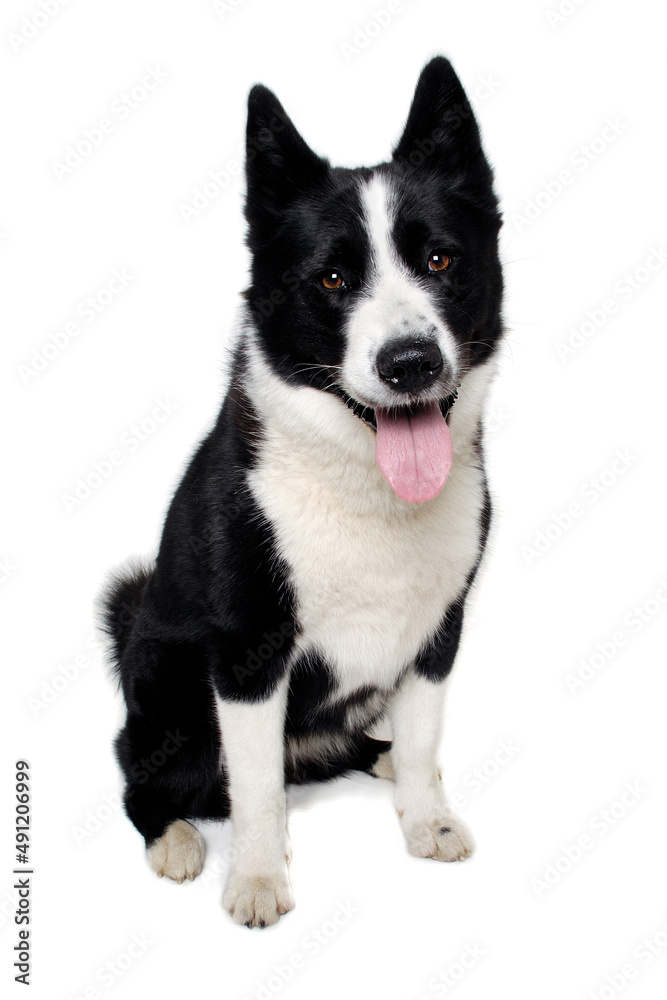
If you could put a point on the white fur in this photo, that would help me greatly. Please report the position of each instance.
(258, 900)
(372, 573)
(178, 853)
(396, 305)
(252, 735)
(431, 830)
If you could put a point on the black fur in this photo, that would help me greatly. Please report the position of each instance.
(218, 610)
(120, 605)
(304, 216)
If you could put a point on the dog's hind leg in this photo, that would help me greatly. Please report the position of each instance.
(178, 853)
(169, 751)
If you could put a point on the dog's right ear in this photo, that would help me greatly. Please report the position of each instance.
(279, 163)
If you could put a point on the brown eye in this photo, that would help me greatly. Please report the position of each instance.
(332, 280)
(439, 261)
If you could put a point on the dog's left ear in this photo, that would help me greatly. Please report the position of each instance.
(279, 162)
(441, 132)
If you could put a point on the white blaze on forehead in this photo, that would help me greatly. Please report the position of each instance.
(379, 210)
(395, 304)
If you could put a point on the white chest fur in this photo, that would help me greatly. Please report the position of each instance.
(372, 574)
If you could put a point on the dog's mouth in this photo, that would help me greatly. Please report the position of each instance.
(413, 444)
(365, 413)
(368, 415)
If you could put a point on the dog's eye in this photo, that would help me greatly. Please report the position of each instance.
(332, 280)
(439, 261)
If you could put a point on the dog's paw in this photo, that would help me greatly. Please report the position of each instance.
(444, 839)
(178, 853)
(258, 900)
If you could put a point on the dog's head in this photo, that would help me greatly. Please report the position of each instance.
(381, 285)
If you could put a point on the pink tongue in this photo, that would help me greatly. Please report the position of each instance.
(414, 451)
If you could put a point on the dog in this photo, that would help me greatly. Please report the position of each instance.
(316, 558)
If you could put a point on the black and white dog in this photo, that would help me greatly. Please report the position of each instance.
(317, 555)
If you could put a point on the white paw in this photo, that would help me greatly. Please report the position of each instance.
(445, 838)
(178, 853)
(258, 900)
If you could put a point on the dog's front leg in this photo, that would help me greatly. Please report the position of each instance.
(258, 889)
(431, 830)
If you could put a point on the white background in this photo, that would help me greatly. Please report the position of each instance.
(544, 88)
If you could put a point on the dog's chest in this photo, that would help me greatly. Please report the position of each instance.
(372, 574)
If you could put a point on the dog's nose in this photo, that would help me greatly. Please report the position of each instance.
(409, 365)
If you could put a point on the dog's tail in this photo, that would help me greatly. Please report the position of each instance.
(118, 605)
(359, 753)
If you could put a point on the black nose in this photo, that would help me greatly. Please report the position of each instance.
(409, 365)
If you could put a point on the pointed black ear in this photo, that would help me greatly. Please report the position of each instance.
(441, 130)
(279, 163)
